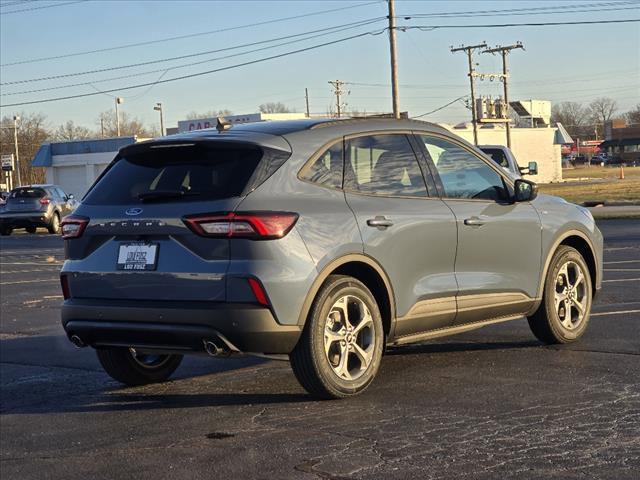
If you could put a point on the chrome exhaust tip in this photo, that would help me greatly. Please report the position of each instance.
(77, 341)
(214, 349)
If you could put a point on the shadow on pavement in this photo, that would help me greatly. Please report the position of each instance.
(443, 347)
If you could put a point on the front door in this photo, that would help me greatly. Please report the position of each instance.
(499, 242)
(405, 226)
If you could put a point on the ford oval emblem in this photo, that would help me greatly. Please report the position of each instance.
(133, 211)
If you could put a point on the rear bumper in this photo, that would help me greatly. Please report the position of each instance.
(27, 219)
(177, 326)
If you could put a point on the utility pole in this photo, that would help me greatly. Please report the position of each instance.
(504, 51)
(306, 98)
(15, 143)
(338, 92)
(469, 51)
(394, 60)
(119, 100)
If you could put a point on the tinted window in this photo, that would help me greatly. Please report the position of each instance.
(463, 174)
(60, 193)
(185, 173)
(27, 193)
(383, 165)
(497, 156)
(327, 169)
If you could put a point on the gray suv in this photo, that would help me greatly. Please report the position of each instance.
(34, 206)
(321, 241)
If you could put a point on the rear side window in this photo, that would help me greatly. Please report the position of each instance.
(194, 172)
(383, 165)
(497, 156)
(327, 169)
(27, 193)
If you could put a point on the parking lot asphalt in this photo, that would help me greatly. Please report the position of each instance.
(492, 403)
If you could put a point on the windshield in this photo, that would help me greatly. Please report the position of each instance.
(193, 172)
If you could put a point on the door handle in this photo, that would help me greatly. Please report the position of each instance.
(474, 221)
(380, 222)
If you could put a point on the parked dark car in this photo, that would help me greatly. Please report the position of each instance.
(34, 206)
(320, 241)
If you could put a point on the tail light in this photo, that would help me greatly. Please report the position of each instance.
(73, 226)
(253, 225)
(258, 292)
(64, 283)
(45, 201)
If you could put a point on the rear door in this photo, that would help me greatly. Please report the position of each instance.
(405, 227)
(499, 242)
(137, 245)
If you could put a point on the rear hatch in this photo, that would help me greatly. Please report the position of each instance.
(137, 246)
(26, 199)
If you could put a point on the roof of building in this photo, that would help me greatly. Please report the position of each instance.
(43, 157)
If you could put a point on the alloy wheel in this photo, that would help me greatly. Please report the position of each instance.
(570, 295)
(349, 337)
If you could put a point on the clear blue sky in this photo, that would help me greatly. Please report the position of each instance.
(577, 63)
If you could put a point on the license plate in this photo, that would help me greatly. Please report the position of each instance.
(137, 256)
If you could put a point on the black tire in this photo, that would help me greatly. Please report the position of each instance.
(6, 231)
(54, 225)
(310, 363)
(31, 229)
(546, 322)
(126, 367)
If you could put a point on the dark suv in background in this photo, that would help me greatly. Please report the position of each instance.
(34, 206)
(319, 240)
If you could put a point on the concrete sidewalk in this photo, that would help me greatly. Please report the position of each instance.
(617, 211)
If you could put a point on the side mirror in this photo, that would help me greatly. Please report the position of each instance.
(70, 196)
(533, 168)
(524, 190)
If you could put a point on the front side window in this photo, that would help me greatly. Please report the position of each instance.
(463, 174)
(327, 168)
(383, 165)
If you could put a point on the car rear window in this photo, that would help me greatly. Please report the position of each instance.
(27, 193)
(192, 172)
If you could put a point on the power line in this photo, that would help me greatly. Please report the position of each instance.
(42, 7)
(181, 37)
(198, 74)
(520, 11)
(442, 107)
(326, 30)
(474, 15)
(165, 70)
(501, 25)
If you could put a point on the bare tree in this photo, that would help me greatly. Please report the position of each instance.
(601, 110)
(128, 125)
(569, 114)
(633, 116)
(193, 115)
(32, 133)
(70, 131)
(274, 107)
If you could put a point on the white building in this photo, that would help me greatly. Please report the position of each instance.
(75, 165)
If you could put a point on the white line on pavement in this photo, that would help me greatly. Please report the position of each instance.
(622, 269)
(5, 272)
(31, 281)
(622, 280)
(622, 312)
(622, 261)
(41, 264)
(613, 249)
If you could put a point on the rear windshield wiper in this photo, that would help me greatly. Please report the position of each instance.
(164, 194)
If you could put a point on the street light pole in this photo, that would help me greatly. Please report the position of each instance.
(119, 100)
(158, 108)
(15, 142)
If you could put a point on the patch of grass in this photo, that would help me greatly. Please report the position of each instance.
(599, 172)
(610, 189)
